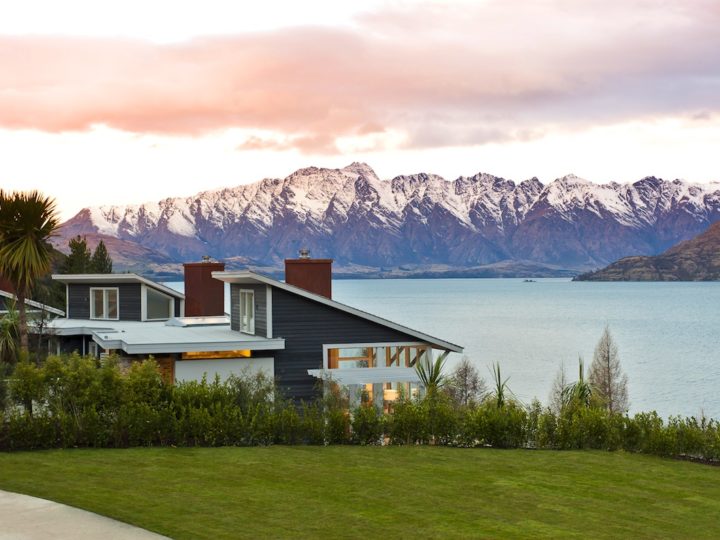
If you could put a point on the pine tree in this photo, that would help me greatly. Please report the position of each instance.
(606, 375)
(78, 261)
(101, 262)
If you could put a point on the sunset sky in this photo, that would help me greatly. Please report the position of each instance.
(122, 102)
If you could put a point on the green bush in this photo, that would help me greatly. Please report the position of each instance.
(498, 426)
(77, 401)
(408, 423)
(368, 425)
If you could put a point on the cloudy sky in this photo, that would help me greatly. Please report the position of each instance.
(118, 102)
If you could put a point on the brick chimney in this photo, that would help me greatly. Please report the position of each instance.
(6, 286)
(204, 295)
(314, 275)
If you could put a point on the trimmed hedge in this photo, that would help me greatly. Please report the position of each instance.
(73, 401)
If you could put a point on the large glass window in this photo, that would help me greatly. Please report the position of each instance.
(369, 357)
(379, 393)
(104, 303)
(247, 312)
(158, 305)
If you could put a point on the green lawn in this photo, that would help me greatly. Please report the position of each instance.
(370, 492)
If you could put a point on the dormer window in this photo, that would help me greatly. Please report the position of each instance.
(104, 303)
(247, 312)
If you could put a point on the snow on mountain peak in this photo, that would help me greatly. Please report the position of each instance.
(485, 215)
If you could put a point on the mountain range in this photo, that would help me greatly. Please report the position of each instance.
(414, 224)
(697, 259)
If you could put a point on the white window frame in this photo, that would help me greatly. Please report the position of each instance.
(105, 303)
(241, 311)
(144, 314)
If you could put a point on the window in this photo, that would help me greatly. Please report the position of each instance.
(247, 312)
(104, 303)
(158, 306)
(369, 357)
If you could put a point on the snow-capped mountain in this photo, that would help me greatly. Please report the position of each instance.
(356, 218)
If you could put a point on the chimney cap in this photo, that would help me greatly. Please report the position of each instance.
(304, 253)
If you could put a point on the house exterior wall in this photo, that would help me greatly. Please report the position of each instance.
(260, 307)
(306, 326)
(193, 370)
(129, 304)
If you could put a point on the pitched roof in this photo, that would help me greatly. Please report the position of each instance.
(252, 277)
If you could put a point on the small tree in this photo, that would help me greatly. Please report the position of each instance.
(556, 394)
(465, 386)
(501, 390)
(607, 376)
(431, 373)
(101, 263)
(27, 221)
(579, 393)
(78, 260)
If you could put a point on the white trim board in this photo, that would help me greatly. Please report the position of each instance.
(33, 303)
(350, 376)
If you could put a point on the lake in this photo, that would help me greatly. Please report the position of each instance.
(668, 334)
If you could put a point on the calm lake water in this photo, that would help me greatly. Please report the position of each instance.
(668, 334)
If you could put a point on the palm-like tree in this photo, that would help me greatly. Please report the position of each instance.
(27, 221)
(8, 333)
(431, 373)
(580, 393)
(501, 387)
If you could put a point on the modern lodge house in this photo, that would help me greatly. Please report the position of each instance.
(293, 331)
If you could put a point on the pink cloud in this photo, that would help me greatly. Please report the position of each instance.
(443, 75)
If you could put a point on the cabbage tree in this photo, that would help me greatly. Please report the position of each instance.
(27, 221)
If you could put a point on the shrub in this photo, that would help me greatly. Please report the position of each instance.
(26, 386)
(408, 423)
(498, 426)
(442, 419)
(368, 425)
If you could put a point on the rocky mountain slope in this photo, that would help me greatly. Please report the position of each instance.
(697, 259)
(413, 221)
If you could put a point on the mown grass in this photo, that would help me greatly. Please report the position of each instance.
(378, 492)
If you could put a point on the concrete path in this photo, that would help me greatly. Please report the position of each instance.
(29, 518)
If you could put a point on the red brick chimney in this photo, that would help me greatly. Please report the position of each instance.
(204, 295)
(5, 285)
(314, 275)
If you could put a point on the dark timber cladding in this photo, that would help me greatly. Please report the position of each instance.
(129, 304)
(260, 307)
(306, 326)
